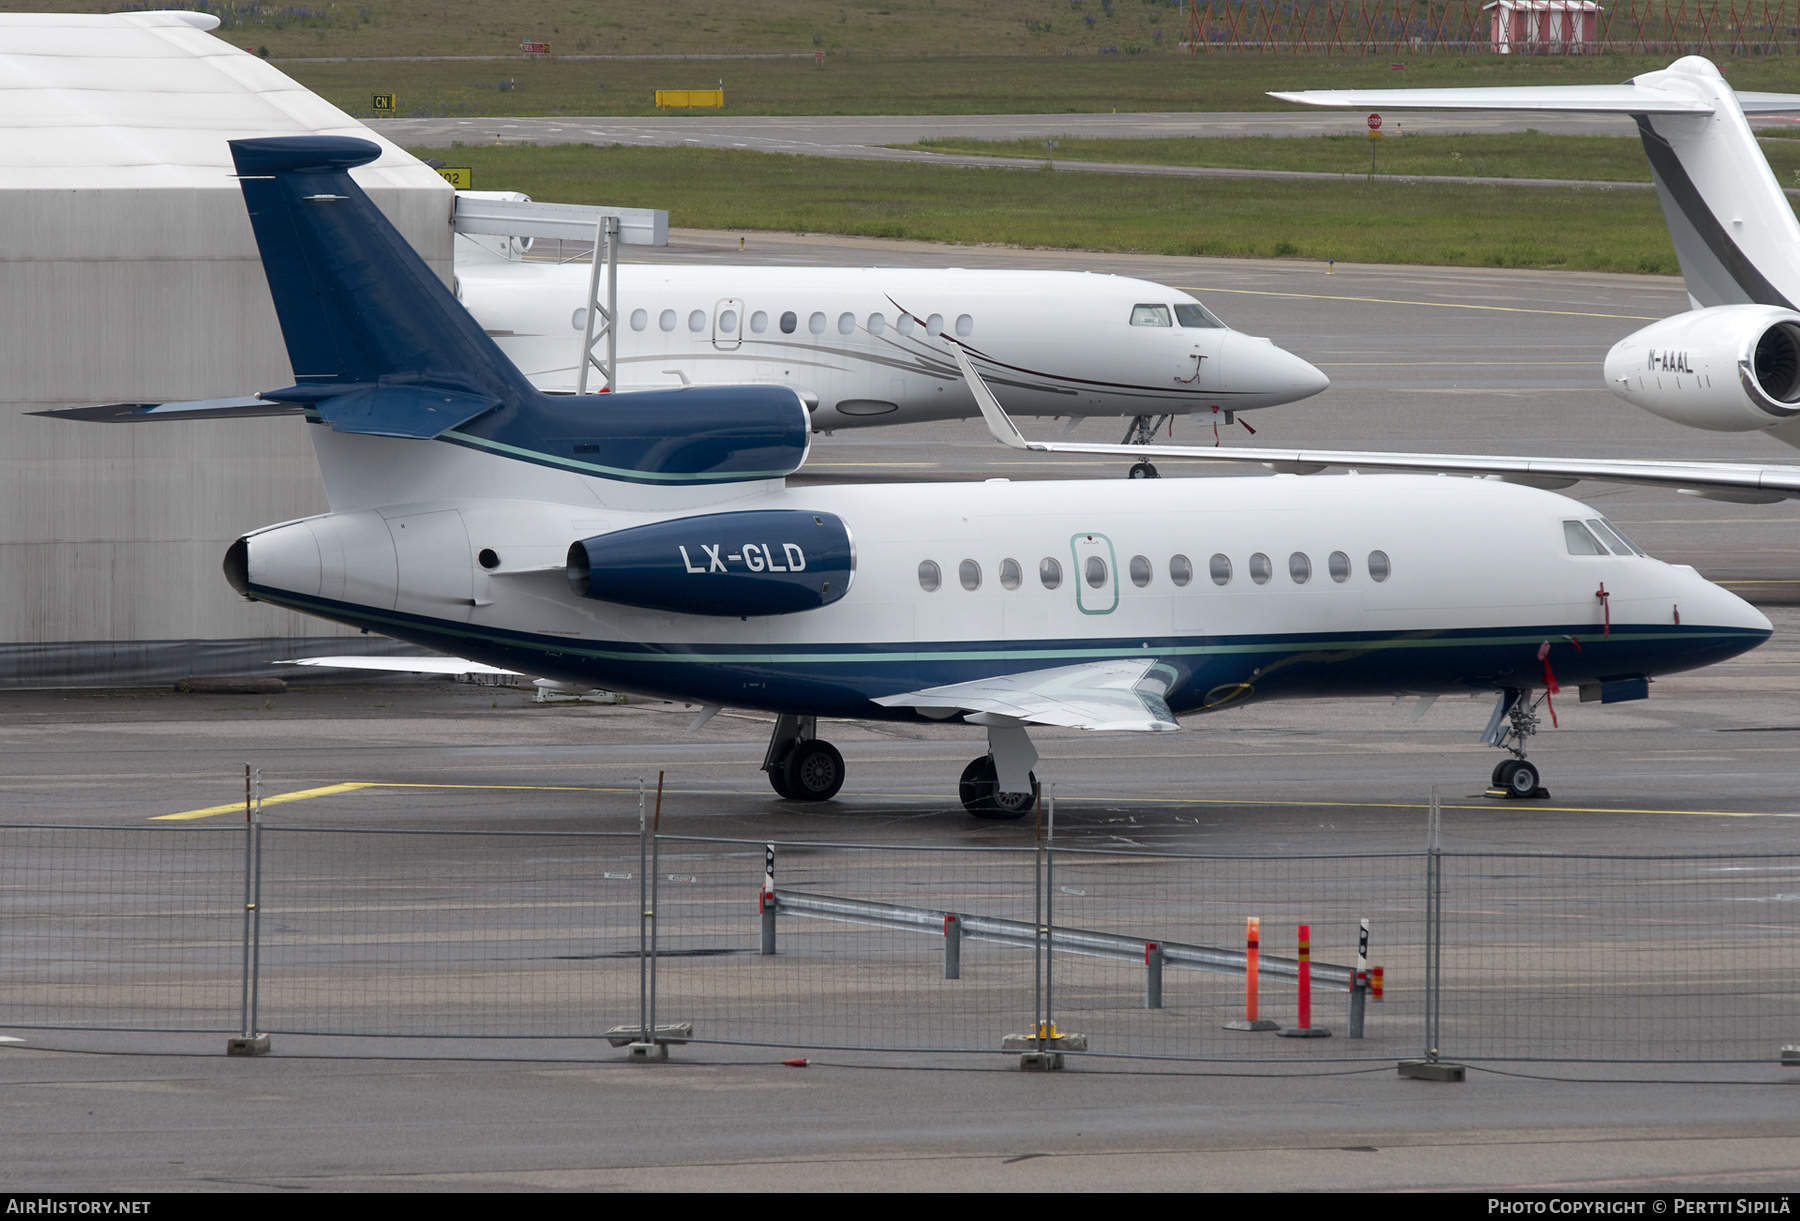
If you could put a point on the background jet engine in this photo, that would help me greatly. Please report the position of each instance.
(1730, 368)
(764, 562)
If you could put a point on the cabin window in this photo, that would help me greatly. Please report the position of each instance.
(816, 324)
(1378, 566)
(1260, 568)
(1096, 572)
(965, 326)
(929, 576)
(934, 325)
(759, 322)
(666, 320)
(969, 573)
(789, 323)
(639, 319)
(1580, 541)
(877, 324)
(1140, 571)
(697, 321)
(846, 324)
(1339, 567)
(1181, 570)
(1609, 536)
(1299, 568)
(1011, 575)
(1620, 535)
(578, 319)
(1050, 573)
(1194, 314)
(904, 324)
(1150, 315)
(1220, 568)
(728, 321)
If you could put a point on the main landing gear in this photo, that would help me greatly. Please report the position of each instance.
(802, 767)
(1142, 431)
(981, 795)
(1515, 719)
(1001, 784)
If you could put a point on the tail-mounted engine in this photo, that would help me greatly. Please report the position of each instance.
(1730, 368)
(758, 562)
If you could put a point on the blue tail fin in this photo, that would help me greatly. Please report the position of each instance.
(376, 341)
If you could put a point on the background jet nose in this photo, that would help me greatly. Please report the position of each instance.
(1256, 365)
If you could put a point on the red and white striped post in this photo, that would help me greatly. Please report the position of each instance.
(1252, 972)
(1305, 1030)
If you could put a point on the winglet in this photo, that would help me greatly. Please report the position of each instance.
(998, 422)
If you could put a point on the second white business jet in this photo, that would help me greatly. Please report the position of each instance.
(858, 344)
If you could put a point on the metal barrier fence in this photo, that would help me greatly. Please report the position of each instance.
(500, 934)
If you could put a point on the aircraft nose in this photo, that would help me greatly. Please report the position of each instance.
(1256, 364)
(1703, 602)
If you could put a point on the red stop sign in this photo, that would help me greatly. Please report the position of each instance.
(1374, 122)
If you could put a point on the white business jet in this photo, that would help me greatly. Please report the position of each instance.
(1732, 363)
(649, 542)
(859, 346)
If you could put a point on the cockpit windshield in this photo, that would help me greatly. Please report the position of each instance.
(1192, 313)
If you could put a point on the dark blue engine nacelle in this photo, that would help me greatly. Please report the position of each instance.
(759, 562)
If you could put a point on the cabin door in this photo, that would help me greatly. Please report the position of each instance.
(728, 324)
(1096, 574)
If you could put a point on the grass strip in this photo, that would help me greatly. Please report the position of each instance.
(1527, 154)
(1594, 229)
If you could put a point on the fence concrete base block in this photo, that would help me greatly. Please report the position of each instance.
(1025, 1042)
(646, 1053)
(1246, 1024)
(247, 1045)
(1790, 1057)
(1431, 1070)
(674, 1032)
(1311, 1032)
(1041, 1061)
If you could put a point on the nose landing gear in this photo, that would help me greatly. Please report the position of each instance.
(1515, 719)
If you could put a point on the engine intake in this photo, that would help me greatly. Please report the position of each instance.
(1731, 368)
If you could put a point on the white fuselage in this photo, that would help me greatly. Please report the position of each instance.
(1371, 584)
(861, 345)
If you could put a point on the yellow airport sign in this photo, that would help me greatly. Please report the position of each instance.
(383, 103)
(461, 177)
(666, 98)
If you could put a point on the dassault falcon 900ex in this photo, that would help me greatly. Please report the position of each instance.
(648, 542)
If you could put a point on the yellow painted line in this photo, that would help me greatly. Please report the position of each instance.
(1502, 309)
(236, 806)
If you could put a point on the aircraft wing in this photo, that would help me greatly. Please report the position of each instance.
(400, 665)
(1581, 99)
(200, 409)
(1110, 695)
(1739, 482)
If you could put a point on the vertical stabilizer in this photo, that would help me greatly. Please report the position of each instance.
(358, 307)
(1733, 229)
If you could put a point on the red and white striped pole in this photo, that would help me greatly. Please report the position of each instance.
(1305, 1030)
(1252, 975)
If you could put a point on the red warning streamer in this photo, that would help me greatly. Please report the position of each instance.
(1550, 687)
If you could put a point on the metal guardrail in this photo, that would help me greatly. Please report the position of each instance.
(1067, 940)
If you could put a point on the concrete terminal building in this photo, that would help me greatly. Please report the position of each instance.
(130, 274)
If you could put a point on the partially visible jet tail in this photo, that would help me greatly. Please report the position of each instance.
(1733, 229)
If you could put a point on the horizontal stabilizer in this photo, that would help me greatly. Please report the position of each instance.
(200, 409)
(1102, 695)
(420, 412)
(1578, 99)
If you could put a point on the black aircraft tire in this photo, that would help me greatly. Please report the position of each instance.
(778, 781)
(1143, 470)
(979, 790)
(1522, 781)
(1502, 769)
(813, 771)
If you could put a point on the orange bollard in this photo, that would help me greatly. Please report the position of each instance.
(1252, 973)
(1305, 1030)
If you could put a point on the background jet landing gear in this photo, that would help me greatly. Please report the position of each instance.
(1514, 779)
(800, 766)
(1142, 431)
(979, 790)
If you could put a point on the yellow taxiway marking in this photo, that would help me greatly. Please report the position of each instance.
(328, 790)
(277, 799)
(1503, 309)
